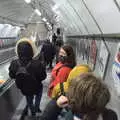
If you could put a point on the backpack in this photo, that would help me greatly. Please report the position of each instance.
(25, 81)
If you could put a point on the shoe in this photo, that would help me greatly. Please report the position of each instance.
(24, 113)
(33, 117)
(38, 110)
(33, 114)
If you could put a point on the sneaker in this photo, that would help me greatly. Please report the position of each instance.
(24, 113)
(38, 110)
(33, 114)
(33, 117)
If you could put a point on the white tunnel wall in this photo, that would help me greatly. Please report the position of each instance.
(108, 77)
(85, 17)
(106, 14)
(90, 16)
(75, 20)
(7, 30)
(81, 16)
(33, 30)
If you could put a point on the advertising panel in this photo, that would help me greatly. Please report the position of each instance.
(93, 54)
(102, 59)
(116, 70)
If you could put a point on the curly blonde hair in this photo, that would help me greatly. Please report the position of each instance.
(88, 95)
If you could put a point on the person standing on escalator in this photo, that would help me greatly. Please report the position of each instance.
(28, 74)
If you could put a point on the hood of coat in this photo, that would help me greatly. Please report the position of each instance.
(26, 49)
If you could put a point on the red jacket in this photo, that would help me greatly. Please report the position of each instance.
(61, 76)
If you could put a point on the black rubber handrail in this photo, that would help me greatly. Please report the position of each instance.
(6, 86)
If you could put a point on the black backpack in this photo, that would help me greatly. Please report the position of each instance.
(25, 81)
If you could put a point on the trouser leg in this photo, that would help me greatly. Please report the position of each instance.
(30, 104)
(38, 99)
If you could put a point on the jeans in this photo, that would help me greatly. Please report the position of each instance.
(34, 107)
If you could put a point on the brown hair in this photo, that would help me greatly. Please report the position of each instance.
(70, 54)
(88, 95)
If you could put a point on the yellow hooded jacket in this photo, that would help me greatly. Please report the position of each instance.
(76, 71)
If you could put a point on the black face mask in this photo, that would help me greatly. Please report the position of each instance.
(62, 58)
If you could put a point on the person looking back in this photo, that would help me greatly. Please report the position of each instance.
(62, 69)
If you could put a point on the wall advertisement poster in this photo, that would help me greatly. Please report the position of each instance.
(116, 70)
(93, 54)
(102, 59)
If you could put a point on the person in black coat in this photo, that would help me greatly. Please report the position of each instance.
(48, 52)
(26, 50)
(54, 108)
(54, 37)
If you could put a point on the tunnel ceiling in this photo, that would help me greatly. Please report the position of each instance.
(78, 17)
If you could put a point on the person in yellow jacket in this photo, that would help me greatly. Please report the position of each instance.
(76, 71)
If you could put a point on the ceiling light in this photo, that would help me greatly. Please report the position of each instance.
(47, 23)
(50, 26)
(44, 19)
(55, 7)
(28, 1)
(37, 12)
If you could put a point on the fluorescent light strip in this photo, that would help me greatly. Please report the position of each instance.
(44, 19)
(27, 1)
(47, 23)
(37, 12)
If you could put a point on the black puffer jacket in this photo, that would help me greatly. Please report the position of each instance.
(26, 50)
(48, 50)
(52, 111)
(36, 68)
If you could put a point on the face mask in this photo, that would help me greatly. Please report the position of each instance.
(62, 58)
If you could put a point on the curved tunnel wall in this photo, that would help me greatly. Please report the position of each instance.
(111, 46)
(90, 17)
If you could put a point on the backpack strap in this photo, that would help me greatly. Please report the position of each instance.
(61, 83)
(62, 88)
(26, 66)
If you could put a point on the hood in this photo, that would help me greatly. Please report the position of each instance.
(26, 48)
(78, 70)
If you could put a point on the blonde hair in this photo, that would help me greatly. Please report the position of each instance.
(88, 95)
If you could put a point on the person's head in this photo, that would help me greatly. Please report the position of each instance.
(48, 41)
(25, 48)
(66, 55)
(88, 96)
